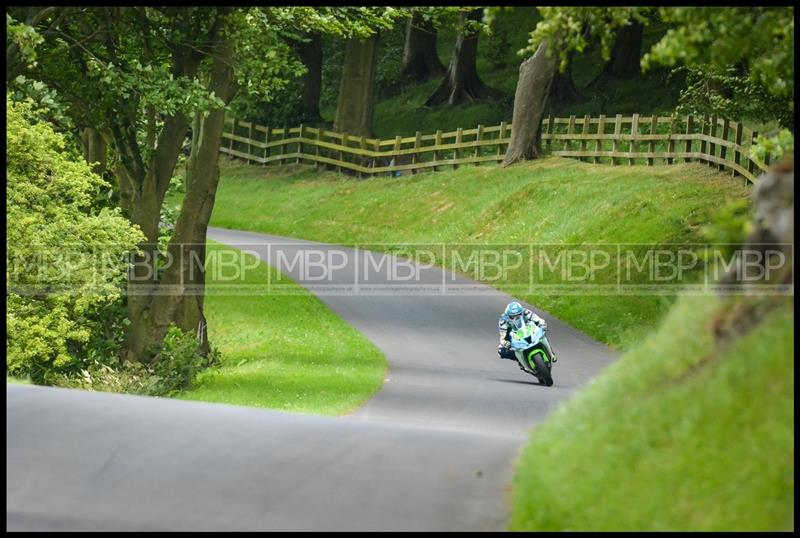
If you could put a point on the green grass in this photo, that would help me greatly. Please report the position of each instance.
(552, 200)
(266, 357)
(682, 433)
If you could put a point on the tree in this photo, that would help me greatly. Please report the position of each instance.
(561, 31)
(710, 39)
(355, 107)
(461, 83)
(310, 51)
(627, 53)
(536, 75)
(195, 60)
(748, 50)
(65, 257)
(420, 59)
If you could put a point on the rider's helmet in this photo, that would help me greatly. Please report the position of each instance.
(514, 312)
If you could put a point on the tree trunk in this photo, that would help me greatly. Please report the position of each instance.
(461, 83)
(420, 59)
(94, 150)
(310, 53)
(536, 76)
(626, 55)
(153, 297)
(563, 89)
(202, 179)
(356, 105)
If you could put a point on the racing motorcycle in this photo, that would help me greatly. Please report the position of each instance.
(527, 344)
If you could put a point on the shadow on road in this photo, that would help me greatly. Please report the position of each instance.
(518, 381)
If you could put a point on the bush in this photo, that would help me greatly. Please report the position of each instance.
(173, 369)
(65, 257)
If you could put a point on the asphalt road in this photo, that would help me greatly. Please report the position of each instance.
(433, 450)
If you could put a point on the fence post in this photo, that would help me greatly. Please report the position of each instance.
(376, 148)
(703, 132)
(233, 132)
(456, 152)
(751, 166)
(570, 128)
(651, 147)
(283, 145)
(250, 143)
(342, 158)
(317, 164)
(267, 151)
(690, 132)
(736, 152)
(478, 137)
(550, 130)
(713, 134)
(437, 143)
(671, 144)
(300, 144)
(598, 145)
(415, 155)
(722, 149)
(584, 132)
(615, 144)
(632, 145)
(398, 143)
(362, 159)
(500, 136)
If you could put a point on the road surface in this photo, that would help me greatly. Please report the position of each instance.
(434, 449)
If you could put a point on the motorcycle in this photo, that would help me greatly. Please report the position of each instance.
(532, 355)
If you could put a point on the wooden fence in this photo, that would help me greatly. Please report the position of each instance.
(614, 140)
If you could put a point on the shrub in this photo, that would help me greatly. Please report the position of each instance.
(173, 370)
(66, 259)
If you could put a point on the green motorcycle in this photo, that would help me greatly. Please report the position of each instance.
(527, 342)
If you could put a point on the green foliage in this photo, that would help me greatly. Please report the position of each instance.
(65, 258)
(777, 146)
(172, 371)
(762, 37)
(729, 225)
(25, 37)
(564, 27)
(759, 39)
(48, 105)
(732, 94)
(271, 90)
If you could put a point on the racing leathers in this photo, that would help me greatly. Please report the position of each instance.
(504, 327)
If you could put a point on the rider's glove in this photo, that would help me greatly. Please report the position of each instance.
(543, 324)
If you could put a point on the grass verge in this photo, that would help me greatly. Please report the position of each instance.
(685, 432)
(266, 357)
(553, 201)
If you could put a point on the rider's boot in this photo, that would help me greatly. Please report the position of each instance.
(505, 353)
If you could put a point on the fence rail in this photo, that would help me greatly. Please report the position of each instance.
(616, 140)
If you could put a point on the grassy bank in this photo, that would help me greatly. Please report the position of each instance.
(553, 201)
(687, 431)
(266, 357)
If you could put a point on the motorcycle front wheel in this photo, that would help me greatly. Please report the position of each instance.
(542, 371)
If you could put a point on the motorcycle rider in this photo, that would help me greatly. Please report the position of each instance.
(513, 312)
